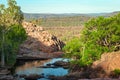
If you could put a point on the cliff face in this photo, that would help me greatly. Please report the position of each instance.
(39, 40)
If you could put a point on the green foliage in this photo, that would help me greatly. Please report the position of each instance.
(12, 33)
(13, 39)
(17, 34)
(73, 48)
(99, 35)
(117, 71)
(10, 15)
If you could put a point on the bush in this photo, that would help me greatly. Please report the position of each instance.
(13, 40)
(73, 48)
(99, 35)
(117, 71)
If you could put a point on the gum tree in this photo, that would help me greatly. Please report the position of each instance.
(10, 22)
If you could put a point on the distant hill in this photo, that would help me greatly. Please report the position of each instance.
(113, 13)
(47, 15)
(37, 15)
(62, 20)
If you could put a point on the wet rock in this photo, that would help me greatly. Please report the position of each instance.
(62, 64)
(99, 79)
(47, 67)
(33, 77)
(52, 77)
(57, 64)
(4, 71)
(49, 64)
(77, 76)
(6, 77)
(22, 76)
(81, 75)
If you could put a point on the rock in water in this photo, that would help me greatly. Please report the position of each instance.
(108, 62)
(39, 40)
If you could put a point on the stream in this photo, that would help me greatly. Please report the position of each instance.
(32, 67)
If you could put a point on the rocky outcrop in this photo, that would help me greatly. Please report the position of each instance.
(78, 76)
(108, 62)
(32, 77)
(57, 64)
(6, 77)
(99, 79)
(39, 40)
(4, 71)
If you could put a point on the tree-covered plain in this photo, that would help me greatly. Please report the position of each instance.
(61, 21)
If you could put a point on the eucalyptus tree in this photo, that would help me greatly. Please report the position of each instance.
(10, 22)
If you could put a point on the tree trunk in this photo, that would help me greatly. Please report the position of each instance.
(3, 54)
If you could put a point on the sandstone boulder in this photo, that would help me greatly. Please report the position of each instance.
(39, 40)
(108, 62)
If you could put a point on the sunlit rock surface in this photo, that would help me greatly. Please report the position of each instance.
(109, 61)
(39, 41)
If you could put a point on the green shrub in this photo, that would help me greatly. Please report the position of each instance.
(117, 71)
(99, 35)
(13, 39)
(72, 48)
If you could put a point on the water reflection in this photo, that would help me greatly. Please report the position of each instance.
(32, 64)
(31, 68)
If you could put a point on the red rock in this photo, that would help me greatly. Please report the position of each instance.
(108, 61)
(39, 40)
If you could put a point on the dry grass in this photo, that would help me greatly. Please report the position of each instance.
(65, 33)
(65, 28)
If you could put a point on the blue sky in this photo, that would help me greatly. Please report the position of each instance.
(67, 6)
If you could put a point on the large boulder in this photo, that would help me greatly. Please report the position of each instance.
(108, 62)
(39, 40)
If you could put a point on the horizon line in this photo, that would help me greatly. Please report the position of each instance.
(71, 12)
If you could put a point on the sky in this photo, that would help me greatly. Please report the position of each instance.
(67, 6)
